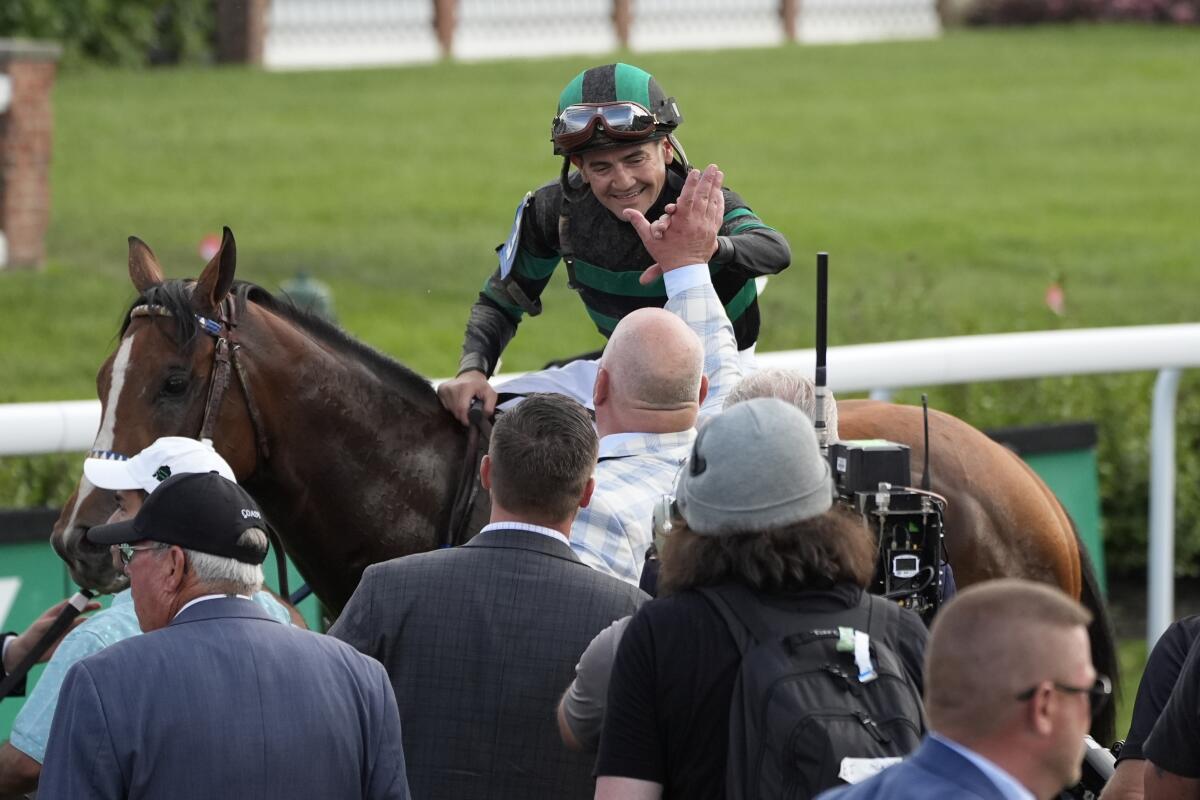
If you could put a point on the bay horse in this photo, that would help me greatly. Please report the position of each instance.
(348, 453)
(354, 460)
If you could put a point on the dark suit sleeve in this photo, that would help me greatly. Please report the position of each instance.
(81, 761)
(388, 779)
(356, 625)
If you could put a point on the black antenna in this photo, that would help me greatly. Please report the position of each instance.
(822, 328)
(925, 482)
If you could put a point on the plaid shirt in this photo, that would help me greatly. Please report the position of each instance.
(691, 297)
(636, 469)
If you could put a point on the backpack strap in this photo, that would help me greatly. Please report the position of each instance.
(742, 613)
(751, 621)
(882, 618)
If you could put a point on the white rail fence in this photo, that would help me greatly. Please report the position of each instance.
(315, 34)
(32, 428)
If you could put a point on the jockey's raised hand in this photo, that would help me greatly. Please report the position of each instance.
(687, 234)
(456, 394)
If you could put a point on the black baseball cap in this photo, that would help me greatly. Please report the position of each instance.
(199, 511)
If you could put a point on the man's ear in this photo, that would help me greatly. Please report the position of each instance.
(178, 567)
(601, 388)
(1040, 710)
(668, 151)
(703, 389)
(586, 497)
(485, 473)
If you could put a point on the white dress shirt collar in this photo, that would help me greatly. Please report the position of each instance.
(525, 526)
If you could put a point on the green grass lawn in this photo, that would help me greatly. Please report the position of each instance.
(950, 180)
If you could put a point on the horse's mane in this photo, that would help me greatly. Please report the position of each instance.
(175, 296)
(331, 334)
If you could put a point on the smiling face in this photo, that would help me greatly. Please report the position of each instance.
(626, 177)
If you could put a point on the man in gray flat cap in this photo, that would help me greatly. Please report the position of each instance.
(758, 560)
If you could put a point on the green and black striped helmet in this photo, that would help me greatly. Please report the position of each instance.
(611, 106)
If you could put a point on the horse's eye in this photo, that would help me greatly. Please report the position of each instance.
(174, 385)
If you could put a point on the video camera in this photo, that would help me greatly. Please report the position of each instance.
(872, 479)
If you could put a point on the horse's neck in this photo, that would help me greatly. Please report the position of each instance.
(363, 466)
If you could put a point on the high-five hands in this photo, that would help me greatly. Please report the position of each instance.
(687, 232)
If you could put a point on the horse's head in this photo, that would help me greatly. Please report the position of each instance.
(157, 383)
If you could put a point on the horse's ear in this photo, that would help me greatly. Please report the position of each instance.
(217, 279)
(144, 270)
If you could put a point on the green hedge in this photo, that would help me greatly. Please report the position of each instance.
(1120, 406)
(117, 32)
(1032, 12)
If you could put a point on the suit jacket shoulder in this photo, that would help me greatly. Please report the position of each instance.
(933, 772)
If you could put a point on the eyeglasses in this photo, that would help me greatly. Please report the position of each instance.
(1098, 693)
(622, 121)
(125, 552)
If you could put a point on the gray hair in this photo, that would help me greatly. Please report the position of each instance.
(228, 574)
(790, 386)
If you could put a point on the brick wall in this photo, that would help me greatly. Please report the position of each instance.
(26, 145)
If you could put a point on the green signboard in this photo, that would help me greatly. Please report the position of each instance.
(1064, 456)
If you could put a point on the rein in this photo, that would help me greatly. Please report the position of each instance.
(479, 432)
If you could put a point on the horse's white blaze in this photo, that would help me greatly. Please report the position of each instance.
(108, 426)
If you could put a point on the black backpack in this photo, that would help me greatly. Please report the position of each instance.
(798, 707)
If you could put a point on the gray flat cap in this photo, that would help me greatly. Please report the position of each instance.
(753, 468)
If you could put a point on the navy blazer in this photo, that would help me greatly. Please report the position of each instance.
(225, 702)
(481, 641)
(934, 772)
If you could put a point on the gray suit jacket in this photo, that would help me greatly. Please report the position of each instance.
(481, 641)
(225, 702)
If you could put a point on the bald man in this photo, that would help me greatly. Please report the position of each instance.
(661, 369)
(1009, 691)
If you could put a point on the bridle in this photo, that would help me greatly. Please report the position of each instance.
(225, 355)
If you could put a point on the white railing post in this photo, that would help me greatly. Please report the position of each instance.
(1160, 561)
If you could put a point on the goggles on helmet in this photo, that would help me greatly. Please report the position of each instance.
(621, 121)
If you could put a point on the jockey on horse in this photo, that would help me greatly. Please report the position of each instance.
(616, 125)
